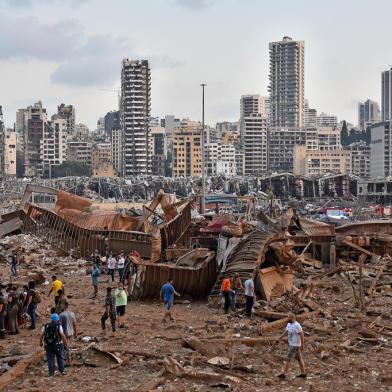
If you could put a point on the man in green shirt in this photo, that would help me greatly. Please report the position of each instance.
(121, 298)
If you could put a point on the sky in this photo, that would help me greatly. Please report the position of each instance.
(71, 50)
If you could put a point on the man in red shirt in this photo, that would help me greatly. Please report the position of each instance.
(226, 292)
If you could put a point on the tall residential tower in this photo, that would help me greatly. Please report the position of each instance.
(135, 109)
(287, 84)
(386, 95)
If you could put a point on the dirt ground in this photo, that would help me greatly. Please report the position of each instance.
(337, 355)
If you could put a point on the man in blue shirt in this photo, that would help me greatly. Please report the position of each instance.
(167, 296)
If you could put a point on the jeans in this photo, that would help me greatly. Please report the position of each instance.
(31, 312)
(111, 273)
(121, 274)
(249, 305)
(226, 296)
(13, 270)
(51, 354)
(105, 316)
(233, 299)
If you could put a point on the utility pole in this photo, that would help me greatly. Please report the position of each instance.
(203, 173)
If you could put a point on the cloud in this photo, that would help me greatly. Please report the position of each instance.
(29, 3)
(95, 62)
(195, 4)
(27, 38)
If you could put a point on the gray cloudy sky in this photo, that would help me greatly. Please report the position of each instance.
(68, 50)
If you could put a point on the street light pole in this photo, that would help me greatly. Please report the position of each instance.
(203, 173)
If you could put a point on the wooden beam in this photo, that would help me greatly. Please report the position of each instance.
(358, 248)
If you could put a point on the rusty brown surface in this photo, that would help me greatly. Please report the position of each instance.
(316, 229)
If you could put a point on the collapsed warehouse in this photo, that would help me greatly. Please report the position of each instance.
(320, 271)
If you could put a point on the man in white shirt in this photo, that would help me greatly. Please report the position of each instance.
(296, 345)
(249, 288)
(111, 263)
(121, 266)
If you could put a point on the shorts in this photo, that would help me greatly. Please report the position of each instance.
(168, 304)
(293, 353)
(120, 310)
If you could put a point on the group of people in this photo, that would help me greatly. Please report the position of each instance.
(17, 306)
(113, 264)
(230, 289)
(114, 308)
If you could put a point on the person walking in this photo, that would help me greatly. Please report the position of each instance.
(111, 263)
(68, 322)
(226, 293)
(54, 341)
(14, 263)
(121, 266)
(296, 341)
(249, 295)
(57, 285)
(13, 310)
(121, 298)
(96, 257)
(167, 295)
(110, 310)
(32, 301)
(236, 285)
(3, 312)
(61, 301)
(95, 272)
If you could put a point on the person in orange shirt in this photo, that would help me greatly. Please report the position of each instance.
(226, 292)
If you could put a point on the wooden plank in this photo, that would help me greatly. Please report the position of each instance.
(358, 248)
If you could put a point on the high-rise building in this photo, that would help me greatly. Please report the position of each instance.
(360, 159)
(250, 104)
(34, 122)
(287, 83)
(187, 149)
(67, 112)
(255, 143)
(102, 162)
(158, 150)
(117, 151)
(2, 144)
(323, 138)
(10, 143)
(310, 116)
(135, 109)
(368, 114)
(380, 150)
(327, 120)
(111, 121)
(386, 95)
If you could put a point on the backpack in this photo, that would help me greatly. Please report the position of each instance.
(37, 297)
(52, 334)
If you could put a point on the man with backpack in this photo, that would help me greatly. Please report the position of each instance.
(33, 299)
(54, 341)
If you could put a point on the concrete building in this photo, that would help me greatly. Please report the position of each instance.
(239, 163)
(310, 116)
(135, 109)
(287, 83)
(221, 159)
(102, 163)
(250, 104)
(226, 127)
(187, 149)
(386, 95)
(360, 159)
(117, 150)
(315, 162)
(10, 143)
(111, 121)
(281, 142)
(380, 150)
(33, 125)
(170, 122)
(53, 146)
(254, 143)
(323, 138)
(67, 112)
(81, 132)
(80, 151)
(158, 150)
(368, 114)
(2, 144)
(327, 120)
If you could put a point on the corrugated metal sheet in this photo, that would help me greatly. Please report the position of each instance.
(315, 228)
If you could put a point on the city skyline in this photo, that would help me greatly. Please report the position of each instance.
(71, 56)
